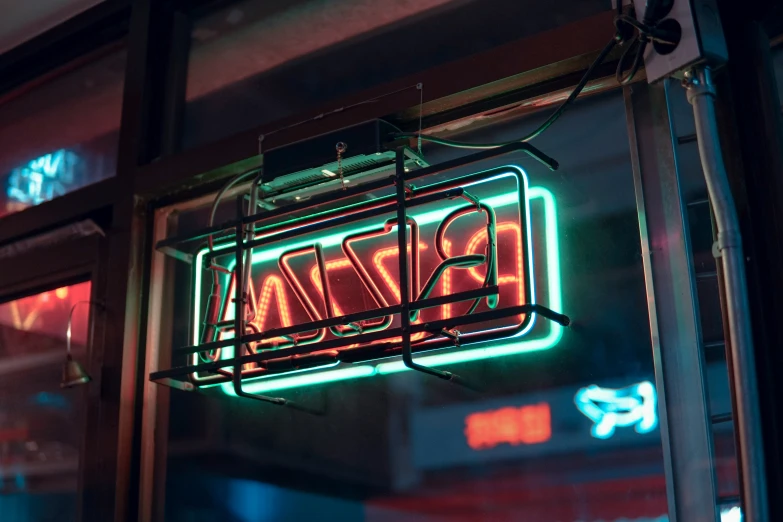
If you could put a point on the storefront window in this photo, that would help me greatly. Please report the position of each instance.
(60, 134)
(40, 424)
(564, 426)
(254, 62)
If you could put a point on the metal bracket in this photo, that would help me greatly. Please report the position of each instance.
(452, 334)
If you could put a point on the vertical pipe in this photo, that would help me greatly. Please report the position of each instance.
(402, 244)
(239, 305)
(701, 95)
(250, 235)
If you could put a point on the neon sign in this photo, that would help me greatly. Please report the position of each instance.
(610, 408)
(498, 241)
(531, 424)
(43, 178)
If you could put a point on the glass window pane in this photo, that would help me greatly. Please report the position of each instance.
(40, 424)
(253, 62)
(60, 133)
(27, 19)
(563, 429)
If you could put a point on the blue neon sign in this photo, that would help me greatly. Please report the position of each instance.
(43, 178)
(610, 408)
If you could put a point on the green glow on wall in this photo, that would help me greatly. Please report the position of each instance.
(488, 349)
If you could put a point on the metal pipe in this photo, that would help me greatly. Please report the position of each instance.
(701, 95)
(250, 235)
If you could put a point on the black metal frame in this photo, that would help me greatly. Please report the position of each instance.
(299, 355)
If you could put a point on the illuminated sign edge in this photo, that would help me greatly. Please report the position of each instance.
(346, 371)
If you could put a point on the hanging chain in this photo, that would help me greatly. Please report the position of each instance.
(341, 147)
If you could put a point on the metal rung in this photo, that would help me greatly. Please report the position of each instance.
(698, 202)
(720, 418)
(688, 138)
(729, 499)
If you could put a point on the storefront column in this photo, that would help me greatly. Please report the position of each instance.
(673, 309)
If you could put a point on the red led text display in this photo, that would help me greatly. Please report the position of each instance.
(531, 424)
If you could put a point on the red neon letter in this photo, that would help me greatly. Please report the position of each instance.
(480, 238)
(315, 277)
(272, 284)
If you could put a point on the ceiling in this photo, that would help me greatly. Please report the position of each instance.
(22, 21)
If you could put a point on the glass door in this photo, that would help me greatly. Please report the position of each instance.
(47, 311)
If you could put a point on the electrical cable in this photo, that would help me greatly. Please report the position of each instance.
(213, 210)
(537, 132)
(624, 24)
(212, 310)
(645, 32)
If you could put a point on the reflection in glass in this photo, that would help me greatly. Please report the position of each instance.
(253, 62)
(60, 134)
(40, 429)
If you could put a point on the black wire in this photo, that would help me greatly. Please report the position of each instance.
(630, 20)
(645, 32)
(543, 127)
(625, 24)
(640, 44)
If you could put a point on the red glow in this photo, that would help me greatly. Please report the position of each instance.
(480, 237)
(447, 281)
(360, 268)
(362, 273)
(310, 299)
(272, 285)
(378, 259)
(47, 313)
(310, 293)
(531, 424)
(296, 284)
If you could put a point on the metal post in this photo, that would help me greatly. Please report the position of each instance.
(402, 244)
(701, 94)
(750, 124)
(686, 433)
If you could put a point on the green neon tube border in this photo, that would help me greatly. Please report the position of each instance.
(318, 376)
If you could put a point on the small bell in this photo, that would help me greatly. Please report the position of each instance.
(73, 373)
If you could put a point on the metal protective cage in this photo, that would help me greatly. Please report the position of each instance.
(302, 351)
